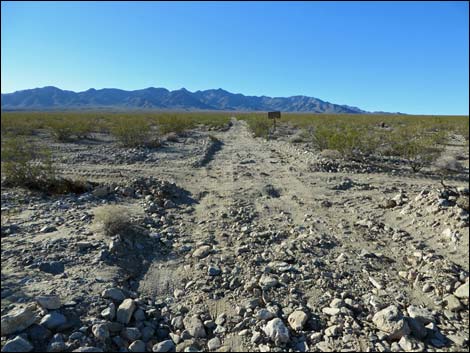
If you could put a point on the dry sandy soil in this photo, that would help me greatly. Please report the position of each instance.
(244, 244)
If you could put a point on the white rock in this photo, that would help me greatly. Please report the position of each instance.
(18, 319)
(391, 321)
(462, 292)
(297, 320)
(277, 331)
(214, 344)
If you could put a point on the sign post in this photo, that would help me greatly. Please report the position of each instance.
(274, 116)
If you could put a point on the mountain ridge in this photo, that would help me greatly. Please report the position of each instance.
(159, 98)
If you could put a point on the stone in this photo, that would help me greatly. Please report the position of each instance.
(139, 315)
(391, 321)
(53, 267)
(125, 311)
(53, 320)
(424, 316)
(47, 229)
(164, 346)
(113, 293)
(18, 344)
(100, 331)
(297, 320)
(333, 331)
(213, 270)
(267, 281)
(264, 314)
(276, 331)
(202, 251)
(88, 349)
(416, 327)
(38, 333)
(214, 344)
(194, 326)
(131, 333)
(137, 346)
(49, 302)
(331, 311)
(407, 344)
(452, 303)
(18, 319)
(462, 291)
(110, 312)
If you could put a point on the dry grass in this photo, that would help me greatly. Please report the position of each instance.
(112, 220)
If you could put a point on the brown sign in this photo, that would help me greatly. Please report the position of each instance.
(274, 115)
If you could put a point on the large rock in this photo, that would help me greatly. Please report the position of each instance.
(194, 326)
(462, 291)
(391, 321)
(125, 311)
(277, 331)
(297, 320)
(18, 344)
(453, 303)
(53, 320)
(164, 346)
(18, 319)
(114, 294)
(49, 302)
(424, 316)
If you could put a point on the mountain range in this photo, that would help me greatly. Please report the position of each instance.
(53, 98)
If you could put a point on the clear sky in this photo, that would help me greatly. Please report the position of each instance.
(411, 57)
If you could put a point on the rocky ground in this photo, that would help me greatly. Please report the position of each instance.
(245, 245)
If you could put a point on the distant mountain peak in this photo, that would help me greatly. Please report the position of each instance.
(49, 98)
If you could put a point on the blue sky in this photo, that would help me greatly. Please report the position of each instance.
(411, 57)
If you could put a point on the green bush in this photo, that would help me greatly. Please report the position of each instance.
(418, 147)
(26, 164)
(61, 130)
(135, 133)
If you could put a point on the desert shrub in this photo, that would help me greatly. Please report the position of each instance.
(25, 163)
(61, 130)
(134, 133)
(330, 154)
(321, 137)
(349, 141)
(112, 220)
(260, 127)
(418, 147)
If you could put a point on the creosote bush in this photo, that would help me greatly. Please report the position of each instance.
(113, 220)
(135, 133)
(26, 164)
